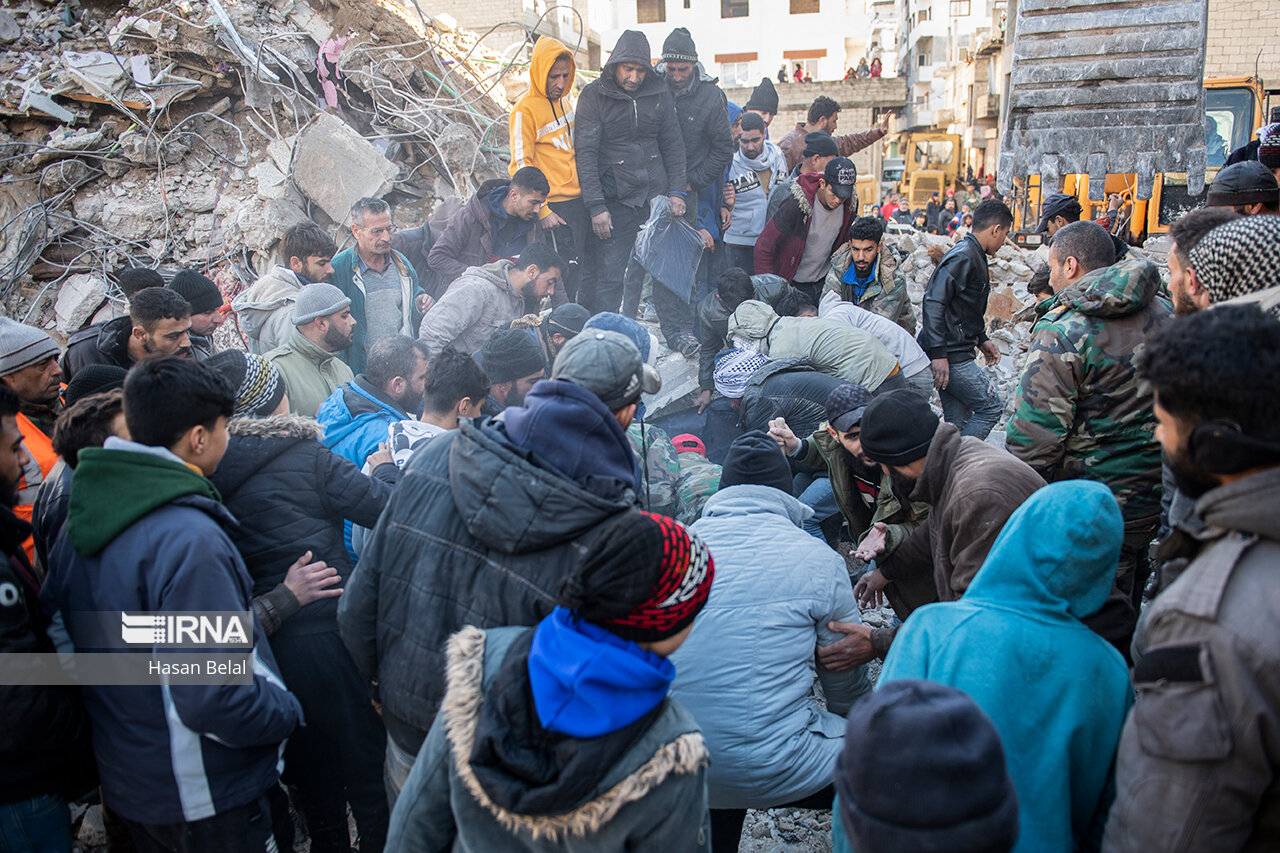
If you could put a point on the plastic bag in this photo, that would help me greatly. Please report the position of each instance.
(669, 248)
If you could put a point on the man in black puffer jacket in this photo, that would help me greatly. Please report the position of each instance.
(485, 522)
(953, 323)
(291, 495)
(628, 149)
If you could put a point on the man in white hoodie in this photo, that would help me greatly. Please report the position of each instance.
(265, 308)
(757, 166)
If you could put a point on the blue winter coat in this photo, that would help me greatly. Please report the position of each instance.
(355, 418)
(1057, 692)
(746, 671)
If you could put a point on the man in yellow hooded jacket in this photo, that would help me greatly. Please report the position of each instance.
(542, 136)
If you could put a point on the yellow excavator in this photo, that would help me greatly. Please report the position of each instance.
(931, 164)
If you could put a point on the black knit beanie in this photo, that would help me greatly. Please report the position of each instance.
(643, 578)
(898, 427)
(201, 292)
(922, 768)
(1248, 182)
(764, 98)
(93, 379)
(511, 354)
(679, 47)
(754, 459)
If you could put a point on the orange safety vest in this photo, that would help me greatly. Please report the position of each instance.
(40, 449)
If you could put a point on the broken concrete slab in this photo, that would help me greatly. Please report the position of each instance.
(334, 166)
(79, 297)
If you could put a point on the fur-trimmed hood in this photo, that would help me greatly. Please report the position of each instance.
(672, 746)
(277, 426)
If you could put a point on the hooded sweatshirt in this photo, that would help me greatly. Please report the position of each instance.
(266, 309)
(1057, 692)
(542, 129)
(1081, 410)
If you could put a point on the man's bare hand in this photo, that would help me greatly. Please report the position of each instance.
(708, 242)
(726, 218)
(703, 400)
(729, 195)
(869, 590)
(854, 650)
(381, 456)
(990, 352)
(781, 433)
(677, 205)
(551, 220)
(602, 224)
(941, 372)
(310, 581)
(424, 303)
(873, 543)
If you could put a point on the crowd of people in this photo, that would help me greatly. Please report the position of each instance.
(494, 608)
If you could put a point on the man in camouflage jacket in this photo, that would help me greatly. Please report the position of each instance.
(1081, 411)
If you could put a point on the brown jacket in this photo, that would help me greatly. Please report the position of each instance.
(1196, 769)
(971, 488)
(847, 144)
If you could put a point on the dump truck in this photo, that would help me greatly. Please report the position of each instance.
(1113, 96)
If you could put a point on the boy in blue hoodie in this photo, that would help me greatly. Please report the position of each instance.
(187, 767)
(563, 736)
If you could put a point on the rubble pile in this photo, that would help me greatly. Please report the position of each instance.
(193, 133)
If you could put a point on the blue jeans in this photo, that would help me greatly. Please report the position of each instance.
(822, 500)
(36, 825)
(970, 400)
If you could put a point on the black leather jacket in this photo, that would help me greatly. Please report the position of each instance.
(953, 322)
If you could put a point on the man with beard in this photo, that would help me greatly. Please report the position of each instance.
(206, 309)
(757, 167)
(29, 368)
(514, 363)
(355, 417)
(1198, 742)
(1189, 295)
(265, 309)
(879, 516)
(44, 736)
(866, 273)
(970, 487)
(159, 324)
(487, 298)
(309, 362)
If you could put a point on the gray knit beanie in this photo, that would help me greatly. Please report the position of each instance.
(22, 346)
(317, 300)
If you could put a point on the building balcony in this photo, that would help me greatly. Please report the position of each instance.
(987, 107)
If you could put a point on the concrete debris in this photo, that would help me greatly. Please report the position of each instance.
(334, 166)
(79, 297)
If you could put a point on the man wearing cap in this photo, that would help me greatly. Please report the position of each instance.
(1185, 288)
(310, 362)
(159, 324)
(799, 239)
(1060, 210)
(763, 102)
(206, 309)
(29, 368)
(699, 476)
(487, 298)
(448, 552)
(553, 329)
(702, 110)
(819, 150)
(629, 150)
(746, 672)
(514, 363)
(757, 167)
(1249, 188)
(824, 115)
(970, 487)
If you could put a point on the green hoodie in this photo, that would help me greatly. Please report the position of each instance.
(111, 489)
(1081, 410)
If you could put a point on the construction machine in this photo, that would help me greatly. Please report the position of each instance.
(1111, 99)
(931, 164)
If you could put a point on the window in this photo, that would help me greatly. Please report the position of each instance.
(922, 59)
(804, 7)
(960, 8)
(734, 8)
(736, 74)
(924, 15)
(688, 4)
(651, 11)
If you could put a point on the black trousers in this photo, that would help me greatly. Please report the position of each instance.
(576, 243)
(337, 757)
(726, 824)
(244, 829)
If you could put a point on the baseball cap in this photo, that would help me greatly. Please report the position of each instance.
(1058, 204)
(689, 441)
(841, 175)
(845, 405)
(819, 143)
(608, 365)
